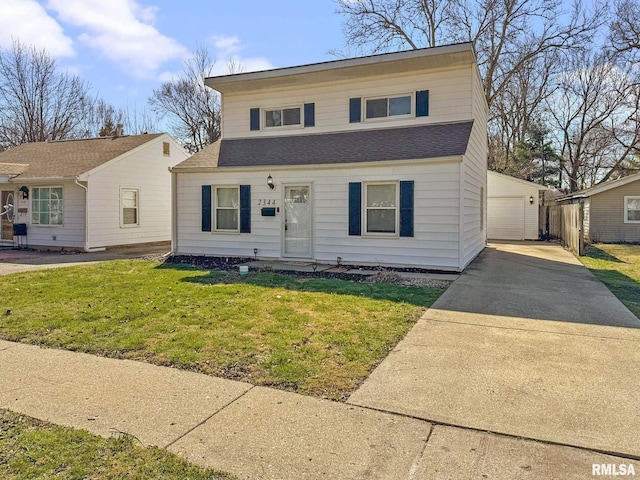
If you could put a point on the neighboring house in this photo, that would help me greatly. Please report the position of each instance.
(512, 208)
(87, 194)
(611, 210)
(378, 160)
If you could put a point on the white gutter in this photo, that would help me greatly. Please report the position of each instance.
(86, 220)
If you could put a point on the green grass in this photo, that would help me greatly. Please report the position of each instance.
(315, 336)
(32, 449)
(618, 267)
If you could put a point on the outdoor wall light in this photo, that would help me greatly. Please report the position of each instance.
(25, 191)
(270, 182)
(531, 199)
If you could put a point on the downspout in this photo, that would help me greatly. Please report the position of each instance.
(86, 220)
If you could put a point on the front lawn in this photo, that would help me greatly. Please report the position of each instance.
(618, 267)
(30, 449)
(314, 336)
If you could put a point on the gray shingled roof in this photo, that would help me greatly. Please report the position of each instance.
(407, 143)
(67, 158)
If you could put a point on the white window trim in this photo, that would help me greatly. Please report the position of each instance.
(411, 113)
(130, 225)
(626, 209)
(48, 225)
(215, 228)
(263, 118)
(365, 231)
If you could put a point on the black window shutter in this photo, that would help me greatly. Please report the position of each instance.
(355, 110)
(245, 208)
(355, 208)
(254, 118)
(422, 103)
(309, 114)
(406, 208)
(206, 208)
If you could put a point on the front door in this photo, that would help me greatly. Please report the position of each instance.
(297, 221)
(7, 209)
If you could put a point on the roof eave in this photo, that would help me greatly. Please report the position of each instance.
(314, 71)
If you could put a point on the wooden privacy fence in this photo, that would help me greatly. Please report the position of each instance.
(565, 223)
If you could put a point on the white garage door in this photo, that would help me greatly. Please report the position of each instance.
(505, 218)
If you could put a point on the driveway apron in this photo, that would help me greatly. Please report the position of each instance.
(527, 343)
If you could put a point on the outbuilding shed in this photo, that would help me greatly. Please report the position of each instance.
(512, 208)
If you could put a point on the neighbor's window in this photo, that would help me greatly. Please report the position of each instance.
(47, 206)
(381, 202)
(282, 117)
(388, 106)
(227, 206)
(632, 209)
(129, 204)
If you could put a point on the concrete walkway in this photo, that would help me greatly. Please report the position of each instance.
(261, 433)
(527, 343)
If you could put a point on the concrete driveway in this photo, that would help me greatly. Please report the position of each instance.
(15, 261)
(526, 343)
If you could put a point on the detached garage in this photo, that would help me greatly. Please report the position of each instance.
(512, 208)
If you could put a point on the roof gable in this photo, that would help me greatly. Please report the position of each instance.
(69, 158)
(518, 180)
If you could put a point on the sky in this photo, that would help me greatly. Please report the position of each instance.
(126, 48)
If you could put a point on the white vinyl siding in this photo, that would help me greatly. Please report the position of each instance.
(147, 169)
(449, 101)
(436, 215)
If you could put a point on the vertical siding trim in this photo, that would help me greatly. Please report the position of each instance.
(245, 208)
(206, 208)
(355, 208)
(406, 208)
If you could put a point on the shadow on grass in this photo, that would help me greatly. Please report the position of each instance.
(599, 254)
(420, 296)
(622, 286)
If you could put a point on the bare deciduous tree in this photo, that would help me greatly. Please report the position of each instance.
(38, 102)
(596, 111)
(192, 108)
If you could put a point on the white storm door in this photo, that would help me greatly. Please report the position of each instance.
(297, 221)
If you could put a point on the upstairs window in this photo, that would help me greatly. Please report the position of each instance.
(47, 206)
(282, 117)
(388, 107)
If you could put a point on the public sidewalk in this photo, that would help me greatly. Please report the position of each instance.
(261, 433)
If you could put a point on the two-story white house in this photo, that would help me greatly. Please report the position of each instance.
(378, 160)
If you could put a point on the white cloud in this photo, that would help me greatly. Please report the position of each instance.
(28, 22)
(122, 31)
(227, 51)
